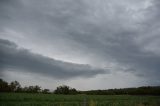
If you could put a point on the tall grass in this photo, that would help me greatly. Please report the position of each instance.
(23, 99)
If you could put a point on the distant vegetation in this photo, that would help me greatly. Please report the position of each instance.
(146, 90)
(65, 90)
(13, 94)
(15, 86)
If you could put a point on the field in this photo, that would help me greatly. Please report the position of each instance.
(31, 99)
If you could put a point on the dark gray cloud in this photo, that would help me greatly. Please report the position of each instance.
(14, 58)
(121, 35)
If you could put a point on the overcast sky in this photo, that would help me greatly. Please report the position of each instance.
(86, 44)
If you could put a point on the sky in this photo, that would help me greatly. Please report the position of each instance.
(85, 44)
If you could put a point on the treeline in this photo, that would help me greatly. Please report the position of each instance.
(15, 86)
(146, 90)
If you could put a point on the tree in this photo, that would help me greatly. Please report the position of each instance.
(33, 89)
(4, 87)
(65, 90)
(37, 89)
(73, 91)
(62, 90)
(15, 86)
(46, 91)
(25, 89)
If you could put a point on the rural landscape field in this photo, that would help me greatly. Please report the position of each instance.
(79, 52)
(13, 94)
(28, 99)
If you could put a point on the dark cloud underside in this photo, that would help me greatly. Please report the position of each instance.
(122, 36)
(24, 60)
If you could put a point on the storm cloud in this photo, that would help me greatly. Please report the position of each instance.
(82, 38)
(22, 59)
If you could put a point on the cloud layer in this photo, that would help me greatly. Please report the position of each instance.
(15, 58)
(118, 36)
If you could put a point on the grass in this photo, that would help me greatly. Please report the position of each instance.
(28, 99)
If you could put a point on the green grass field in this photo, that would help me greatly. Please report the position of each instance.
(23, 99)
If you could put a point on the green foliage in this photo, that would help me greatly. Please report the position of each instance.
(38, 99)
(148, 90)
(15, 86)
(32, 89)
(92, 103)
(46, 91)
(65, 90)
(4, 87)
